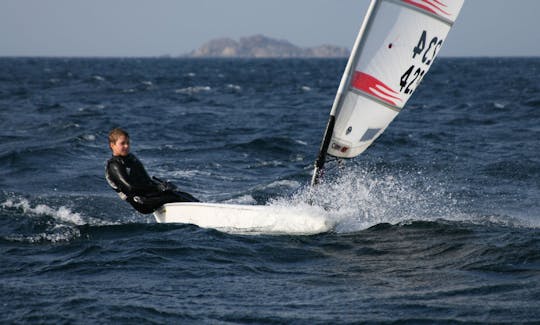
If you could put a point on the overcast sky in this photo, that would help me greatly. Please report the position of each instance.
(174, 27)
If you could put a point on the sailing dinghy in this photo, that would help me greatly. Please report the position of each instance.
(395, 48)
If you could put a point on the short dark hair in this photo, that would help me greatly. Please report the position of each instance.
(116, 133)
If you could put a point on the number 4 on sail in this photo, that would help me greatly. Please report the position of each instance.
(396, 46)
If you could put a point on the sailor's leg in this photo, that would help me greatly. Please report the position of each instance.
(150, 203)
(185, 197)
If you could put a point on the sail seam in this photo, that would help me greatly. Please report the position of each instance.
(420, 10)
(375, 99)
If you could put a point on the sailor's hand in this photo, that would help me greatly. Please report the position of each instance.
(170, 186)
(166, 186)
(162, 187)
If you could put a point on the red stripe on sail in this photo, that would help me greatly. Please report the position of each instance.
(374, 87)
(423, 5)
(442, 4)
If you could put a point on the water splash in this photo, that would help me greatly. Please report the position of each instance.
(359, 198)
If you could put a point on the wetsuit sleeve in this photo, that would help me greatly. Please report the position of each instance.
(141, 172)
(118, 175)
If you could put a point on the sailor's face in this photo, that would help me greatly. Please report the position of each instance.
(121, 146)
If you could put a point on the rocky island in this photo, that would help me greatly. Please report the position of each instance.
(260, 46)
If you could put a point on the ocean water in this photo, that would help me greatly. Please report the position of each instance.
(438, 222)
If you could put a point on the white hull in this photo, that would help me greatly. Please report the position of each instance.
(258, 219)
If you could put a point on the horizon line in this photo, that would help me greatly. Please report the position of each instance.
(168, 56)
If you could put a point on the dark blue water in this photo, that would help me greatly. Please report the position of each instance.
(438, 222)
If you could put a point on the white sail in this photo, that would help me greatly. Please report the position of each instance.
(396, 46)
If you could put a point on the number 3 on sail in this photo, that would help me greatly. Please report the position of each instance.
(396, 46)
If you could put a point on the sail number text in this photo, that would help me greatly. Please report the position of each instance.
(425, 52)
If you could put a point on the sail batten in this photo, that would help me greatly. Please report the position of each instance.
(376, 99)
(395, 48)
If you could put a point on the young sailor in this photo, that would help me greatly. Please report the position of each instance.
(127, 176)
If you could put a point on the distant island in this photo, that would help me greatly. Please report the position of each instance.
(260, 46)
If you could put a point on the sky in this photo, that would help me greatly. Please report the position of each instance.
(141, 28)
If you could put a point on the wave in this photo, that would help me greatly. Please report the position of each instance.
(46, 223)
(193, 90)
(275, 145)
(284, 183)
(98, 78)
(234, 87)
(243, 199)
(63, 213)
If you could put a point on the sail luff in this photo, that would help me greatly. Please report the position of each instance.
(354, 57)
(343, 87)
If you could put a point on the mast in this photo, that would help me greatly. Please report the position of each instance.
(344, 85)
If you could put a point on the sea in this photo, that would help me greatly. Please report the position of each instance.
(437, 223)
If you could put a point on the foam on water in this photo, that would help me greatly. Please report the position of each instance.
(56, 234)
(234, 87)
(98, 78)
(244, 199)
(89, 137)
(188, 173)
(283, 183)
(62, 214)
(63, 226)
(193, 90)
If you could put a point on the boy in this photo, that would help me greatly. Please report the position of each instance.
(127, 176)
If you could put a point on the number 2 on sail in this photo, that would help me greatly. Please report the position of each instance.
(417, 75)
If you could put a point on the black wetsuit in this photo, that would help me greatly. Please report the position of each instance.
(127, 176)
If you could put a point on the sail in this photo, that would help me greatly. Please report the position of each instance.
(396, 46)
